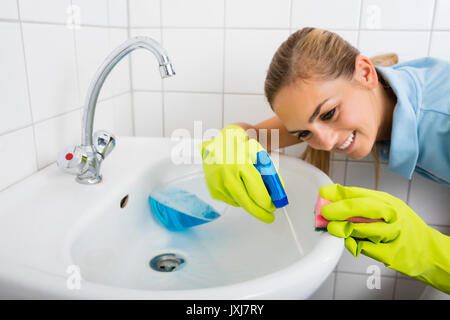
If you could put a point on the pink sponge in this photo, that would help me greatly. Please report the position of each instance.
(321, 222)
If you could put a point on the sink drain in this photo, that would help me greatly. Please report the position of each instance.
(167, 262)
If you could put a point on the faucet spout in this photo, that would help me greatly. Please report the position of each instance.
(85, 160)
(165, 69)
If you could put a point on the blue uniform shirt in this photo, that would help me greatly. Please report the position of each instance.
(420, 138)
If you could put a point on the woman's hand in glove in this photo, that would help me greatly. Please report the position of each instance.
(402, 242)
(230, 174)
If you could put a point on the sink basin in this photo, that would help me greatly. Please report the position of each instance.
(53, 229)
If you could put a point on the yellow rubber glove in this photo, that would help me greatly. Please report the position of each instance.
(230, 174)
(403, 242)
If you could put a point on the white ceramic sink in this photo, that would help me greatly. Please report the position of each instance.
(52, 227)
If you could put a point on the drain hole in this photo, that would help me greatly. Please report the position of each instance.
(124, 202)
(167, 262)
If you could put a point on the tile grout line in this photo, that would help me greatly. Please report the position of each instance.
(290, 15)
(346, 158)
(28, 89)
(284, 150)
(336, 268)
(163, 88)
(397, 275)
(200, 92)
(223, 61)
(358, 39)
(59, 115)
(217, 28)
(283, 28)
(58, 23)
(130, 71)
(26, 177)
(77, 70)
(430, 34)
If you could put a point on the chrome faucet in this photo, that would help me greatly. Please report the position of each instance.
(85, 160)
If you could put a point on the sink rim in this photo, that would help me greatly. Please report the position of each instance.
(55, 281)
(328, 246)
(55, 285)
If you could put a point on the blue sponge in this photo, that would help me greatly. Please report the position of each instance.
(179, 210)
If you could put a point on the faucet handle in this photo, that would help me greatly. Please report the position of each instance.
(104, 142)
(71, 160)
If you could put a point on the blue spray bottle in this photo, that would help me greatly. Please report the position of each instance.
(271, 179)
(179, 210)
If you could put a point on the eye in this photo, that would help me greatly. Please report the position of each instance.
(329, 114)
(303, 134)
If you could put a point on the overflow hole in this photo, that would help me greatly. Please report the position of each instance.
(124, 202)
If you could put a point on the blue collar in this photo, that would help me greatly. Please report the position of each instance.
(404, 144)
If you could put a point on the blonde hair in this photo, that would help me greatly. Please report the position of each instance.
(317, 54)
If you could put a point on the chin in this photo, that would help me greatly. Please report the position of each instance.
(356, 156)
(359, 154)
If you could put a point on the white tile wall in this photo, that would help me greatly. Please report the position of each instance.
(258, 13)
(15, 168)
(50, 53)
(118, 13)
(326, 290)
(148, 114)
(145, 13)
(312, 14)
(47, 66)
(409, 289)
(56, 133)
(104, 116)
(351, 286)
(430, 201)
(123, 116)
(249, 108)
(197, 55)
(415, 14)
(204, 107)
(45, 10)
(15, 111)
(92, 12)
(221, 50)
(337, 171)
(440, 44)
(247, 57)
(442, 13)
(8, 9)
(362, 174)
(192, 13)
(407, 44)
(115, 115)
(350, 264)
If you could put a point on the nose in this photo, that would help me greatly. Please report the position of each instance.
(326, 138)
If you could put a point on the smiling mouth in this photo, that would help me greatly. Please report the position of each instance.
(348, 143)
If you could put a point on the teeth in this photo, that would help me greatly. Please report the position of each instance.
(347, 142)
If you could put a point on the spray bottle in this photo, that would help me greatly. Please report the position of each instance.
(178, 210)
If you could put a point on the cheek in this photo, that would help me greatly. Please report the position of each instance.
(358, 116)
(313, 143)
(351, 120)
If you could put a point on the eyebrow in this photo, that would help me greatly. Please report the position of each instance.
(314, 115)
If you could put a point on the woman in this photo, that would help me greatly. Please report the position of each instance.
(328, 95)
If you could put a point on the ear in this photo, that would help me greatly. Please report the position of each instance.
(365, 72)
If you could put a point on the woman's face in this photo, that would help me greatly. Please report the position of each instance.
(335, 115)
